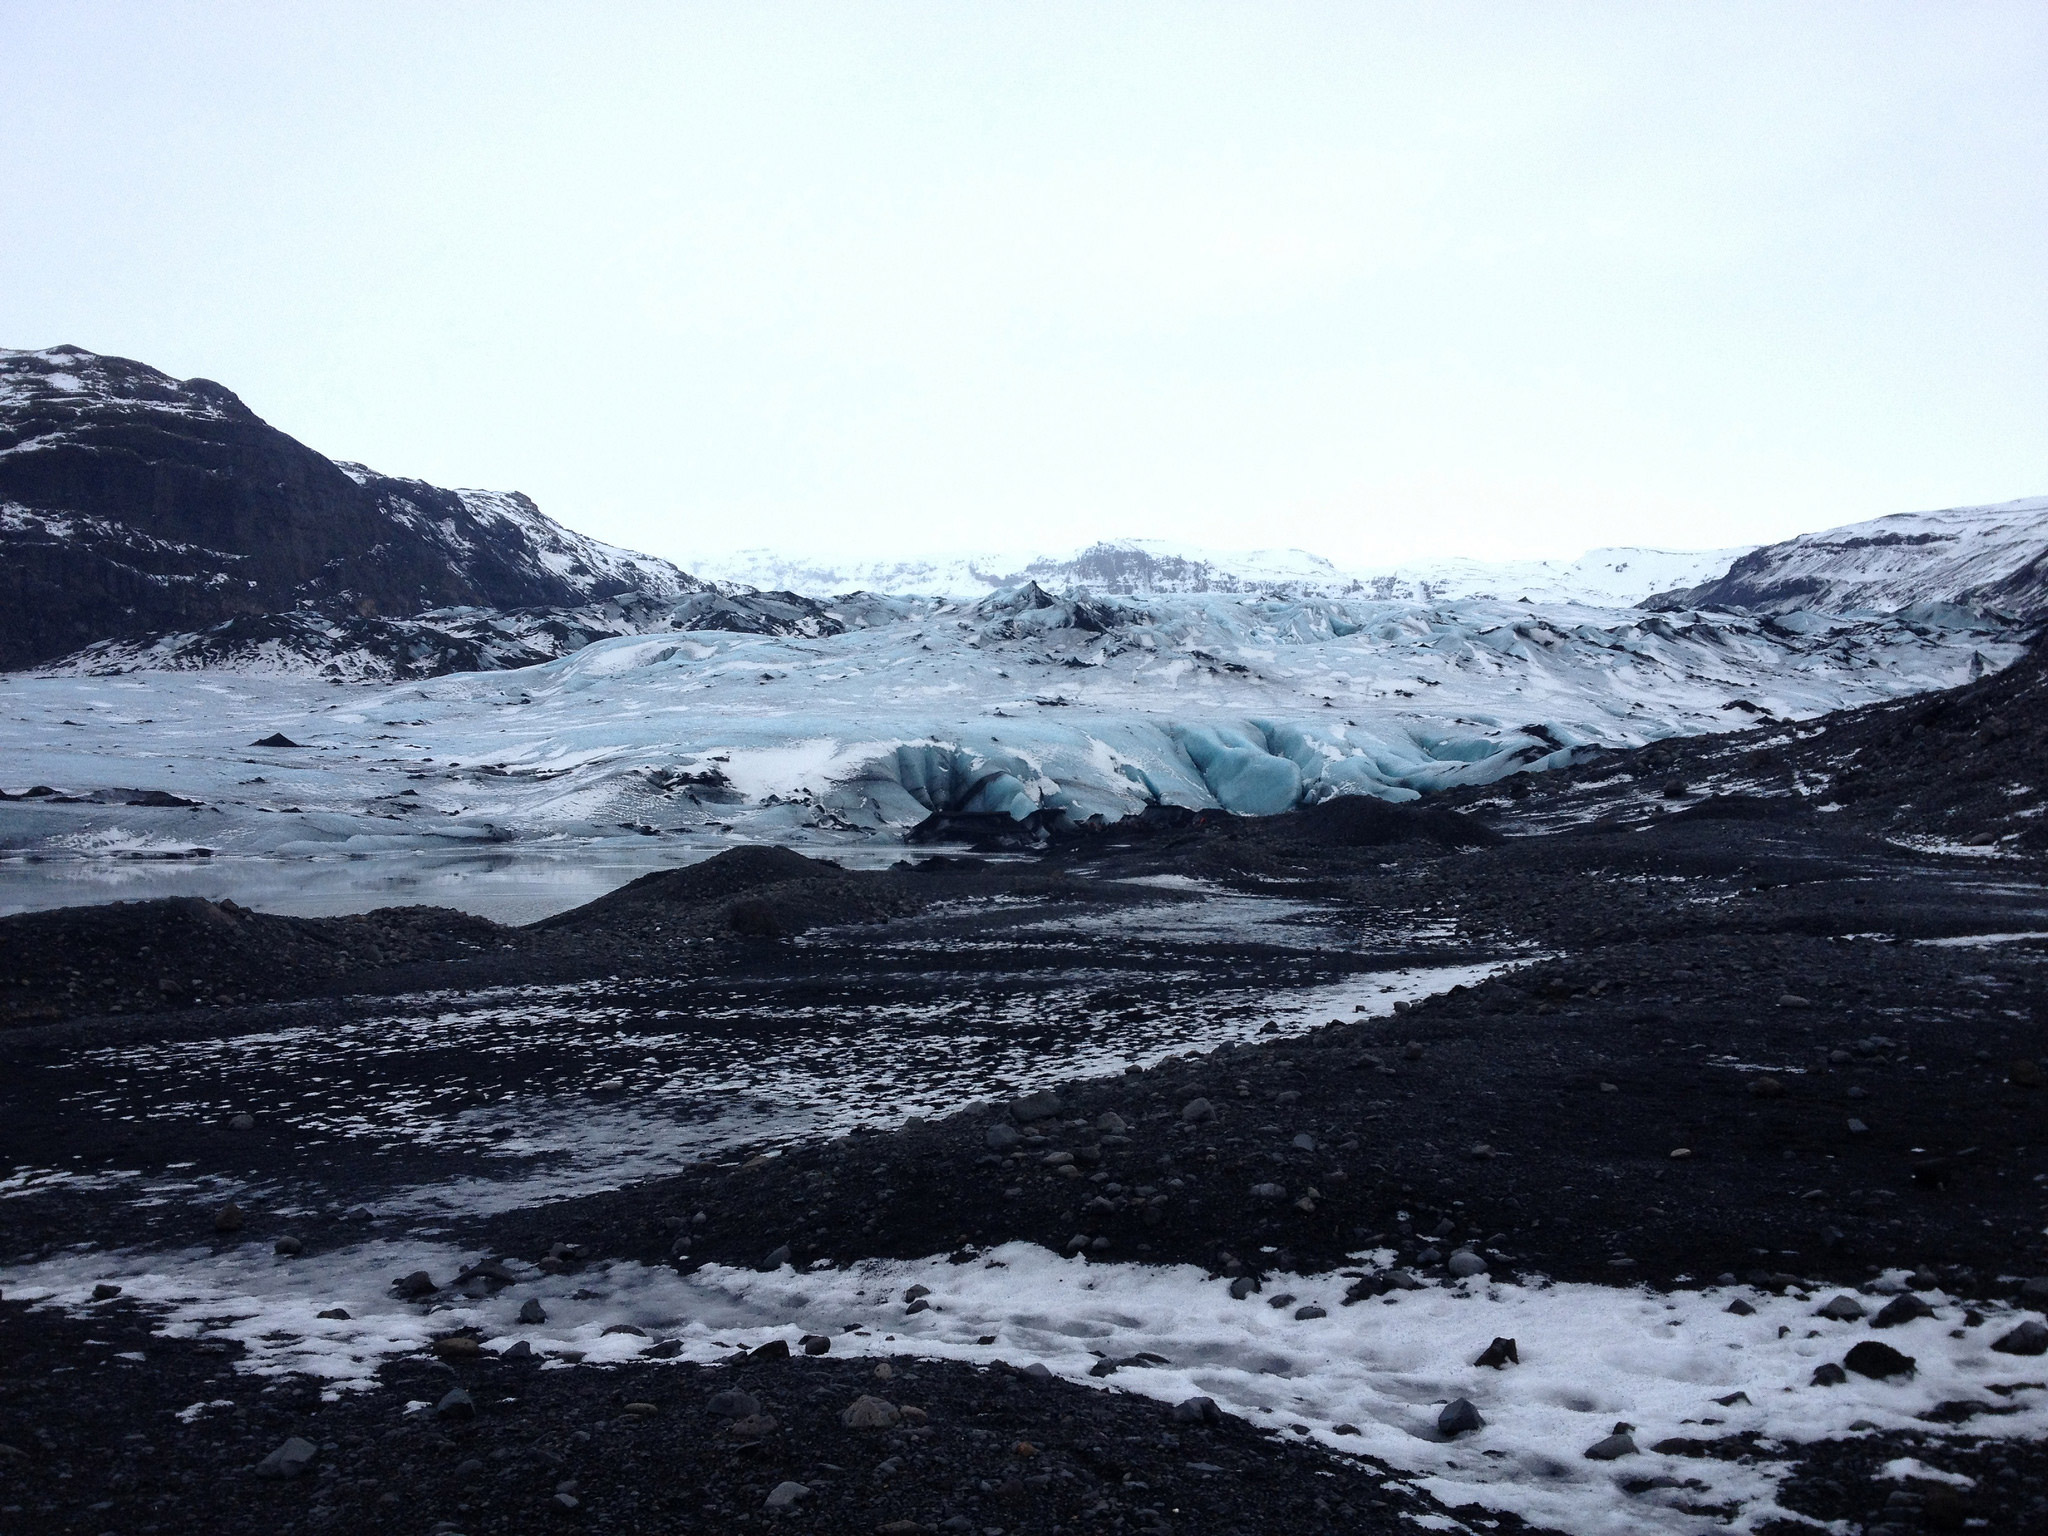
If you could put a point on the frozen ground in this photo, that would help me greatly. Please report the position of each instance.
(1367, 1378)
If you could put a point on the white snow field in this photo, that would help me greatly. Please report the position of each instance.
(1603, 577)
(1368, 1378)
(1015, 704)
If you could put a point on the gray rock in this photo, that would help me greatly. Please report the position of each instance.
(1741, 1308)
(1429, 1256)
(242, 1122)
(1110, 1123)
(289, 1459)
(1037, 1370)
(2034, 1292)
(1901, 1309)
(520, 1350)
(1499, 1353)
(733, 1404)
(917, 1293)
(105, 1292)
(1878, 1361)
(1042, 1105)
(784, 1495)
(1828, 1374)
(1465, 1263)
(531, 1311)
(1001, 1138)
(287, 1247)
(339, 1314)
(458, 1404)
(1197, 1410)
(1459, 1418)
(774, 1259)
(1309, 1313)
(1243, 1286)
(1843, 1309)
(1198, 1111)
(2030, 1338)
(867, 1412)
(1402, 1280)
(415, 1285)
(1305, 1142)
(1271, 1193)
(816, 1344)
(1613, 1448)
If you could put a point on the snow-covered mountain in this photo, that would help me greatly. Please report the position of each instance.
(133, 505)
(1612, 578)
(1994, 556)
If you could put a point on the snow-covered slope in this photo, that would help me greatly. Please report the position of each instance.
(1992, 555)
(1022, 706)
(1136, 567)
(134, 505)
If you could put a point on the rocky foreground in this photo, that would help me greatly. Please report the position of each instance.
(1734, 1040)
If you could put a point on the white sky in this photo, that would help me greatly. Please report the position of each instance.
(1375, 280)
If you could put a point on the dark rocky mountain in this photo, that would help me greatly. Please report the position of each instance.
(134, 505)
(1993, 557)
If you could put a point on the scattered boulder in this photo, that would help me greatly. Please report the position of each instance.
(816, 1344)
(1617, 1445)
(105, 1292)
(1197, 1410)
(2030, 1338)
(1042, 1105)
(785, 1495)
(1901, 1309)
(276, 739)
(774, 1259)
(415, 1285)
(1880, 1362)
(1828, 1374)
(228, 1218)
(457, 1404)
(1499, 1353)
(288, 1247)
(1842, 1309)
(732, 1404)
(1002, 1138)
(289, 1459)
(869, 1412)
(1198, 1111)
(531, 1311)
(1459, 1418)
(1464, 1263)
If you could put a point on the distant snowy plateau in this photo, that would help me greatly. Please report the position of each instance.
(659, 703)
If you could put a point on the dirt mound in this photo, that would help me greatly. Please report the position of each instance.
(1361, 821)
(736, 872)
(179, 951)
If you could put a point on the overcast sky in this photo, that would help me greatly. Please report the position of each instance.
(1379, 281)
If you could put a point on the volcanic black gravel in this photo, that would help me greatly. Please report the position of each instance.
(107, 1426)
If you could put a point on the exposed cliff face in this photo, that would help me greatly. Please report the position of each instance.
(132, 503)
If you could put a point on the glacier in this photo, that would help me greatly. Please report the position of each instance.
(1044, 711)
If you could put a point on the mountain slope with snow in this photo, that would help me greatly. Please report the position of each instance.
(132, 504)
(1996, 556)
(1137, 567)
